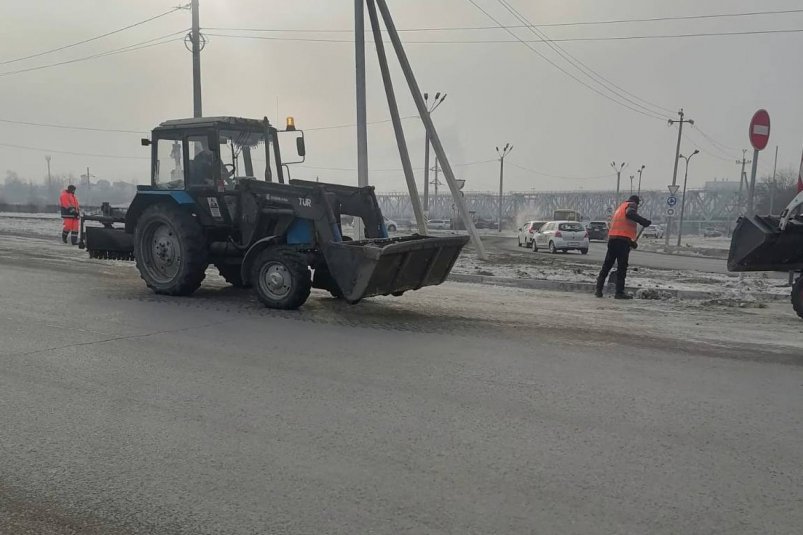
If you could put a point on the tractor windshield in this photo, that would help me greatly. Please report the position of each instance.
(242, 154)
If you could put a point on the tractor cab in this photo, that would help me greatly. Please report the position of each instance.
(215, 153)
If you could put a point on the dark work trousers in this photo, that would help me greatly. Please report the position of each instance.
(619, 252)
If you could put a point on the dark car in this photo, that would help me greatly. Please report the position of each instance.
(597, 230)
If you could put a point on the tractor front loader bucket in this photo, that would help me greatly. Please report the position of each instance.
(759, 244)
(391, 266)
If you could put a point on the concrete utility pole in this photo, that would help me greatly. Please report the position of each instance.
(680, 122)
(618, 170)
(430, 108)
(195, 36)
(742, 178)
(772, 185)
(362, 113)
(49, 178)
(507, 149)
(683, 202)
(640, 171)
(398, 129)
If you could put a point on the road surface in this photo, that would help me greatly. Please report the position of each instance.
(458, 409)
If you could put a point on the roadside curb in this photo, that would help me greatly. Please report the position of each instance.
(588, 287)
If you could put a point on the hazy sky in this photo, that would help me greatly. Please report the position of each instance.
(498, 92)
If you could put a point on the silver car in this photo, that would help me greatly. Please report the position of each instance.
(562, 236)
(527, 231)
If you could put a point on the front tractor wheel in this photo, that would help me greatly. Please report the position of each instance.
(170, 250)
(797, 296)
(281, 278)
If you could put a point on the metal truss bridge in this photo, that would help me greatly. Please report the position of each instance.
(702, 206)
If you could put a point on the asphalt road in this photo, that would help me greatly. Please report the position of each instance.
(124, 412)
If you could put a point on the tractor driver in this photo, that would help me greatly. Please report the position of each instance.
(201, 168)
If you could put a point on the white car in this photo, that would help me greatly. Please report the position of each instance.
(653, 231)
(527, 231)
(562, 236)
(439, 224)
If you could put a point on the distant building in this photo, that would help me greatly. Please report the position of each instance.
(722, 185)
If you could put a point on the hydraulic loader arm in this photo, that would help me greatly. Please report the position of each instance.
(790, 210)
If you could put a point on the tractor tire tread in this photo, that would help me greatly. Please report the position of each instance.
(797, 296)
(195, 252)
(297, 264)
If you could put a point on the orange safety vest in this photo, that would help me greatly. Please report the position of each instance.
(621, 226)
(68, 200)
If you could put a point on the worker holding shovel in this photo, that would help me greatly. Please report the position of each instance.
(622, 237)
(70, 214)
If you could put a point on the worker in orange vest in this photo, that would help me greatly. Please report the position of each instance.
(621, 238)
(70, 212)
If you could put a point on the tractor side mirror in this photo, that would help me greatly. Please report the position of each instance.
(292, 138)
(145, 142)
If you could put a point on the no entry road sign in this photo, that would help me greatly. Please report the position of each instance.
(760, 130)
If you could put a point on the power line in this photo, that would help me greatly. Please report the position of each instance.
(588, 71)
(55, 151)
(107, 34)
(564, 71)
(65, 127)
(130, 48)
(465, 164)
(544, 25)
(516, 40)
(541, 173)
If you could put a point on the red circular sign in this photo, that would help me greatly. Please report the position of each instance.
(760, 130)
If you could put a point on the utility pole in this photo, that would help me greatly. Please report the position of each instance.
(508, 148)
(618, 170)
(680, 122)
(49, 178)
(437, 102)
(683, 202)
(640, 171)
(362, 113)
(195, 37)
(742, 178)
(772, 185)
(632, 177)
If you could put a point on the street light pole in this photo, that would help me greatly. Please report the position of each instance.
(196, 60)
(683, 199)
(640, 171)
(618, 170)
(435, 103)
(632, 177)
(508, 148)
(49, 178)
(680, 122)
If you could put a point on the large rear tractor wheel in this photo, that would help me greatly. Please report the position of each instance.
(170, 250)
(797, 296)
(233, 275)
(281, 278)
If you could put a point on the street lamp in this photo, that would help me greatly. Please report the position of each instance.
(618, 177)
(430, 108)
(683, 200)
(640, 171)
(508, 148)
(632, 178)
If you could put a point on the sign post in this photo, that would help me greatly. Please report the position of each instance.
(759, 138)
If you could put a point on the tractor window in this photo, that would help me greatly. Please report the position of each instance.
(168, 172)
(202, 160)
(242, 154)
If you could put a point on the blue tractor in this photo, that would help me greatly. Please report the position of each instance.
(219, 196)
